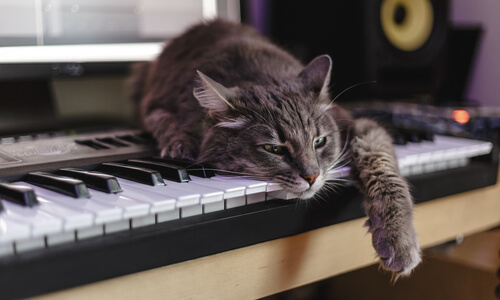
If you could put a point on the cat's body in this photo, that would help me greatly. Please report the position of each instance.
(224, 95)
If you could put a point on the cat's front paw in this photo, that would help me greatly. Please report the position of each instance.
(178, 149)
(398, 249)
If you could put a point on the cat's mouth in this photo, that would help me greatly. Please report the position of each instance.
(299, 187)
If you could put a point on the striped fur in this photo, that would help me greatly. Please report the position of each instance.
(220, 93)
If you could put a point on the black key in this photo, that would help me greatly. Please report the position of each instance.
(167, 171)
(61, 184)
(146, 136)
(411, 135)
(134, 173)
(193, 168)
(133, 139)
(91, 144)
(426, 135)
(94, 180)
(397, 137)
(112, 142)
(21, 195)
(418, 135)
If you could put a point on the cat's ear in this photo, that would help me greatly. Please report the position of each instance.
(213, 96)
(316, 75)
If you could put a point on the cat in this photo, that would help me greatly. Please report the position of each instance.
(222, 94)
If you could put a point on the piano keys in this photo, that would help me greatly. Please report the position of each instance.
(153, 190)
(171, 210)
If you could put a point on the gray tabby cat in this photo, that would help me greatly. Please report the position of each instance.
(221, 94)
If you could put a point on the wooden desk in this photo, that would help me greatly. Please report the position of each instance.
(270, 267)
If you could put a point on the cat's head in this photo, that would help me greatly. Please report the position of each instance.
(285, 133)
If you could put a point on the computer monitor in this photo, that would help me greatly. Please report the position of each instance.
(45, 39)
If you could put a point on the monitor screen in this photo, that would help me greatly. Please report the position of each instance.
(62, 37)
(55, 53)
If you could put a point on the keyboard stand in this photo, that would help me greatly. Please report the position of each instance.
(274, 266)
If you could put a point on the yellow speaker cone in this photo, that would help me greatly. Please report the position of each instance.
(407, 24)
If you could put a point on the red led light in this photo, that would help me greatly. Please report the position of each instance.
(461, 116)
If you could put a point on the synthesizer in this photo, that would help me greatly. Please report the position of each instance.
(103, 204)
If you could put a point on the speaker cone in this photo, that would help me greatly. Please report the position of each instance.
(407, 24)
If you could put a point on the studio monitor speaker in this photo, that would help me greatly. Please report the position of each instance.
(398, 43)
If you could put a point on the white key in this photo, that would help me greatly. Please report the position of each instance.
(117, 226)
(443, 148)
(282, 194)
(157, 201)
(416, 169)
(143, 221)
(6, 249)
(251, 186)
(429, 167)
(11, 231)
(235, 202)
(273, 186)
(183, 198)
(433, 151)
(406, 156)
(207, 194)
(230, 190)
(404, 171)
(192, 210)
(468, 146)
(131, 208)
(255, 198)
(450, 149)
(89, 232)
(102, 213)
(31, 244)
(169, 215)
(40, 222)
(72, 219)
(211, 207)
(60, 238)
(421, 153)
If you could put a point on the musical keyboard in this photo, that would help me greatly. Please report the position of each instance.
(93, 200)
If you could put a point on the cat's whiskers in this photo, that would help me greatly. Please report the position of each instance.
(335, 186)
(343, 161)
(343, 151)
(337, 167)
(339, 181)
(317, 198)
(332, 187)
(347, 89)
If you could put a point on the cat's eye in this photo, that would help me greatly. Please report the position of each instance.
(319, 142)
(275, 149)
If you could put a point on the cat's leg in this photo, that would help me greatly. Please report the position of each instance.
(172, 140)
(388, 202)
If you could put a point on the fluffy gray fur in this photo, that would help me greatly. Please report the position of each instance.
(222, 94)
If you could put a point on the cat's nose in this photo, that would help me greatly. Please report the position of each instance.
(311, 178)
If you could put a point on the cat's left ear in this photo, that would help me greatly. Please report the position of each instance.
(213, 96)
(316, 75)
